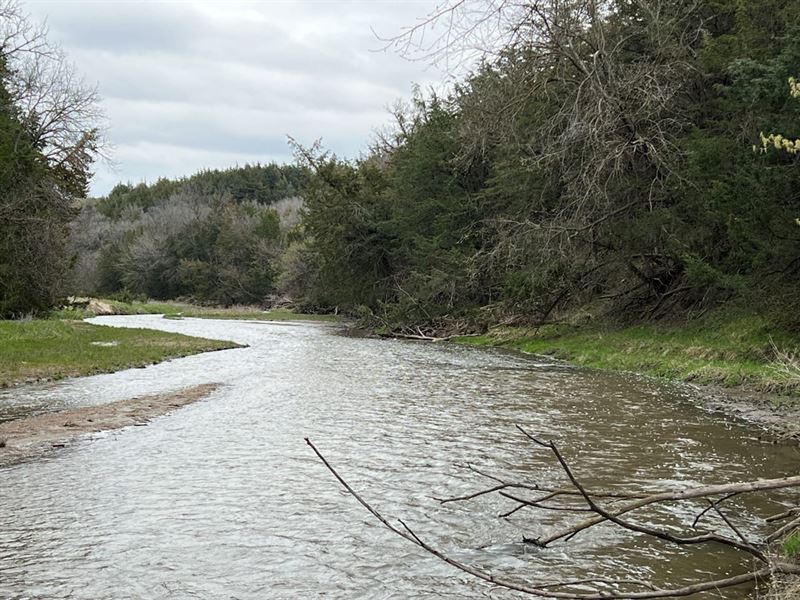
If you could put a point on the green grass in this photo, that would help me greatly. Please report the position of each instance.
(791, 544)
(50, 349)
(722, 350)
(178, 309)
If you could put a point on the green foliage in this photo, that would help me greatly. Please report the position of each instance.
(203, 239)
(392, 234)
(501, 199)
(344, 222)
(609, 166)
(262, 184)
(701, 274)
(48, 140)
(34, 213)
(791, 545)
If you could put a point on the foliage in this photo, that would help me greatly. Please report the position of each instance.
(791, 545)
(600, 155)
(391, 233)
(205, 238)
(263, 184)
(49, 136)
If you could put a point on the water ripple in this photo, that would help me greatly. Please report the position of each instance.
(222, 499)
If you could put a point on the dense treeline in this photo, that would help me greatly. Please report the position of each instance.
(263, 184)
(216, 237)
(632, 158)
(49, 137)
(609, 157)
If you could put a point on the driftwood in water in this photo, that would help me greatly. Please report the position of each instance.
(609, 506)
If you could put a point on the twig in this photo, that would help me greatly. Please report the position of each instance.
(711, 506)
(686, 494)
(779, 533)
(657, 533)
(538, 503)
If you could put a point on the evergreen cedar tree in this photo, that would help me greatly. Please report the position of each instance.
(617, 174)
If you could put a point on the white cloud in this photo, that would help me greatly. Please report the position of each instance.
(190, 84)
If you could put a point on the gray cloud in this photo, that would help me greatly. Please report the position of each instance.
(193, 85)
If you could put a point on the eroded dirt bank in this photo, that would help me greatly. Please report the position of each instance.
(34, 436)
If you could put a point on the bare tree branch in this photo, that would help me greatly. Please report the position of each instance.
(60, 112)
(651, 531)
(611, 589)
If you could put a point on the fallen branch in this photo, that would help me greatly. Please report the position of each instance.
(556, 589)
(665, 496)
(651, 531)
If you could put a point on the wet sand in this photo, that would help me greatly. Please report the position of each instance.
(31, 437)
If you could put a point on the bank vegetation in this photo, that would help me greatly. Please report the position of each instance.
(42, 349)
(606, 156)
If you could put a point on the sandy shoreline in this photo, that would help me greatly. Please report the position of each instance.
(31, 437)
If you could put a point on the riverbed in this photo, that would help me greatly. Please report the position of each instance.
(223, 499)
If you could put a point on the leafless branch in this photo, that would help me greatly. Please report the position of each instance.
(60, 112)
(614, 517)
(611, 588)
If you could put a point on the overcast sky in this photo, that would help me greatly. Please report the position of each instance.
(198, 84)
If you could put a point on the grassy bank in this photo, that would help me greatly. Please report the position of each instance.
(64, 346)
(179, 309)
(746, 351)
(52, 349)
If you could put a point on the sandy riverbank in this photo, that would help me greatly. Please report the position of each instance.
(31, 437)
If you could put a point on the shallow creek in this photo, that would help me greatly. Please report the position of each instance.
(223, 499)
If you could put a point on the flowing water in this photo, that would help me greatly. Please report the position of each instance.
(223, 499)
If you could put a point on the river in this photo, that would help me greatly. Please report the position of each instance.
(223, 499)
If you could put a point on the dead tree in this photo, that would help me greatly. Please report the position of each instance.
(613, 507)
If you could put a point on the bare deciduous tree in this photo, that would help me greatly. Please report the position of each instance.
(18, 35)
(60, 112)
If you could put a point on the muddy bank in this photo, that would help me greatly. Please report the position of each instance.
(31, 437)
(778, 415)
